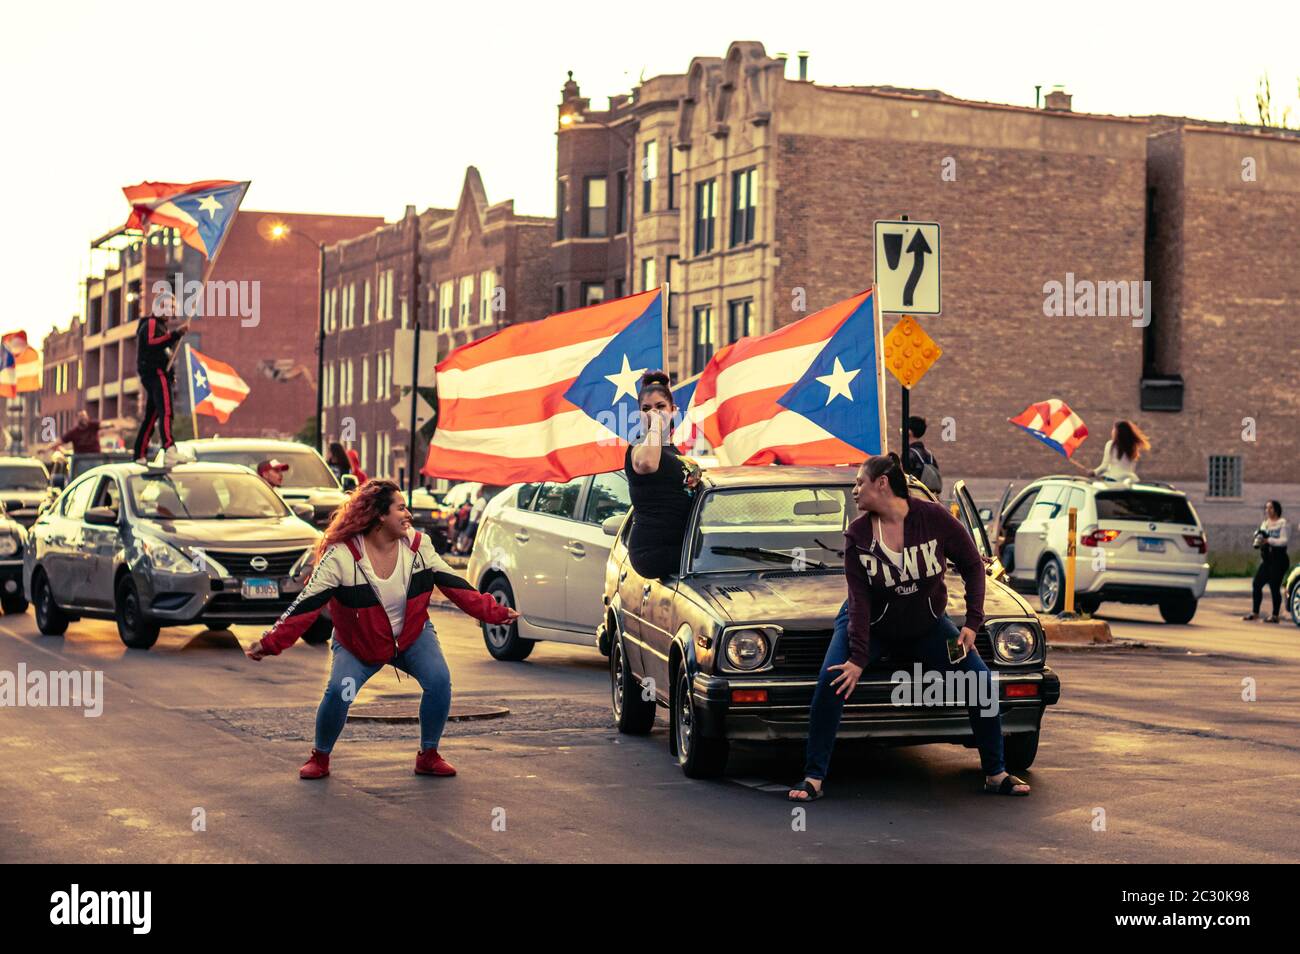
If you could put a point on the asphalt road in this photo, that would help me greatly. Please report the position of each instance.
(1151, 756)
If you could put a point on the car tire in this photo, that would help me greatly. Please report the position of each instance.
(1051, 586)
(632, 713)
(319, 632)
(502, 639)
(1293, 601)
(134, 628)
(1019, 750)
(699, 757)
(50, 620)
(15, 605)
(1178, 609)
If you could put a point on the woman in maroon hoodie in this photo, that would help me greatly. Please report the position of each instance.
(895, 558)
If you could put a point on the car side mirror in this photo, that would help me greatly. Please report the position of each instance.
(986, 514)
(304, 511)
(102, 516)
(349, 482)
(612, 524)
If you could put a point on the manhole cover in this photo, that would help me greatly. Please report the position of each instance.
(409, 711)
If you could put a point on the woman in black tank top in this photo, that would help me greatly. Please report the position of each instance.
(661, 484)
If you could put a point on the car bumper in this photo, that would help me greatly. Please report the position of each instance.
(871, 714)
(177, 599)
(1131, 585)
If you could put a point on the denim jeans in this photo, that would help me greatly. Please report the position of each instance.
(422, 659)
(931, 651)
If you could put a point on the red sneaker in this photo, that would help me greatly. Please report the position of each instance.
(429, 762)
(318, 766)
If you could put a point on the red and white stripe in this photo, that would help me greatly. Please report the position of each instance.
(228, 388)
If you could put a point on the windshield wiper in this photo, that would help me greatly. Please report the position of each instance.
(838, 553)
(766, 554)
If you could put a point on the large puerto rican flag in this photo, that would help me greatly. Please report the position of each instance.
(217, 389)
(547, 400)
(809, 393)
(200, 211)
(20, 365)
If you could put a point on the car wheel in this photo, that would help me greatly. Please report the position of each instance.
(50, 620)
(698, 756)
(217, 627)
(632, 713)
(319, 632)
(136, 630)
(1019, 750)
(1051, 586)
(13, 605)
(502, 639)
(1294, 602)
(1178, 609)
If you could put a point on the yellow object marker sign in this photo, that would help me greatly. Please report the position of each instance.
(909, 351)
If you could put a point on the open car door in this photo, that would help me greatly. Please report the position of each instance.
(969, 515)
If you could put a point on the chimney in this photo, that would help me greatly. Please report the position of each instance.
(803, 66)
(1058, 100)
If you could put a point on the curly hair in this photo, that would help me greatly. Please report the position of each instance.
(361, 513)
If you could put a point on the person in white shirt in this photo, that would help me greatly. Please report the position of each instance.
(1271, 540)
(1120, 456)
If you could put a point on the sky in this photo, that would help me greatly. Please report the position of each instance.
(363, 108)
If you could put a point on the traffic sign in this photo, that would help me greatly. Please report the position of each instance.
(402, 411)
(907, 267)
(909, 352)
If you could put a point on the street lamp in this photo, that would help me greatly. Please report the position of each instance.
(278, 232)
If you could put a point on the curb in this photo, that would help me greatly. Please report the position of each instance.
(1076, 632)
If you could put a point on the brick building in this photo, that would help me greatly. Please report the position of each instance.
(61, 378)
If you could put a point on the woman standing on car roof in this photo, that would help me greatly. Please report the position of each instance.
(895, 557)
(661, 483)
(377, 575)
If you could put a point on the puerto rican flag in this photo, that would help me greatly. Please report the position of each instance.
(547, 400)
(809, 393)
(20, 365)
(1053, 423)
(216, 388)
(200, 211)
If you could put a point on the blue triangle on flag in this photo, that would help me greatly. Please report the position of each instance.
(606, 390)
(213, 210)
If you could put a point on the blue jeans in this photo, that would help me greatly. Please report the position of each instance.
(422, 659)
(931, 651)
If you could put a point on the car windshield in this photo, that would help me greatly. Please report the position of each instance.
(1144, 505)
(306, 470)
(23, 477)
(200, 496)
(792, 528)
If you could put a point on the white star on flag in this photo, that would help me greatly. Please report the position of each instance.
(210, 205)
(838, 381)
(198, 377)
(624, 381)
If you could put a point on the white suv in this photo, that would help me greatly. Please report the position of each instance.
(1138, 542)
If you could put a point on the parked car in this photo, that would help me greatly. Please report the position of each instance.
(13, 537)
(732, 646)
(540, 550)
(24, 487)
(429, 515)
(308, 482)
(196, 543)
(1293, 593)
(1151, 542)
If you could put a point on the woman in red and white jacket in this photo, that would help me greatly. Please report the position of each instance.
(377, 575)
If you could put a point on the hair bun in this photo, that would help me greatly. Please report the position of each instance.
(654, 377)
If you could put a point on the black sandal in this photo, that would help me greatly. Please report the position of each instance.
(1006, 787)
(805, 786)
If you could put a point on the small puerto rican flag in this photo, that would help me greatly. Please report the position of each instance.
(217, 389)
(1053, 423)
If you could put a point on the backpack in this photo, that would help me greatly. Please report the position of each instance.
(928, 471)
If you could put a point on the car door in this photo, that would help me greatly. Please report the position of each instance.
(99, 545)
(1008, 523)
(540, 543)
(62, 558)
(588, 549)
(969, 515)
(1031, 536)
(631, 597)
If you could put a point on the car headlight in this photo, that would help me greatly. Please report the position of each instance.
(747, 649)
(8, 545)
(164, 556)
(1015, 642)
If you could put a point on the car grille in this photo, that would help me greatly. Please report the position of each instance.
(237, 562)
(801, 652)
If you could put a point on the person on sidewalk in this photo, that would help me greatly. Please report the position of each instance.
(153, 342)
(920, 463)
(1271, 540)
(84, 437)
(377, 576)
(894, 561)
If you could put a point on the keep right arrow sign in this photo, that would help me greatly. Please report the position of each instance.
(907, 267)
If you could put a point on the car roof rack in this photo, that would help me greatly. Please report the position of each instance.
(1081, 478)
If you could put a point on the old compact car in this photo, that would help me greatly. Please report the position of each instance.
(197, 543)
(25, 488)
(1292, 590)
(13, 537)
(732, 646)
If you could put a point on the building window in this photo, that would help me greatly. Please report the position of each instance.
(349, 306)
(706, 215)
(365, 305)
(702, 319)
(327, 385)
(345, 382)
(594, 207)
(620, 204)
(466, 298)
(620, 287)
(1225, 476)
(487, 285)
(672, 179)
(744, 206)
(740, 315)
(593, 293)
(649, 169)
(561, 205)
(444, 306)
(365, 379)
(559, 298)
(649, 278)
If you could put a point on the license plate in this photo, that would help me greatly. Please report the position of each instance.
(259, 589)
(1151, 545)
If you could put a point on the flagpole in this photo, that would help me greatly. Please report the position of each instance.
(665, 312)
(880, 370)
(189, 376)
